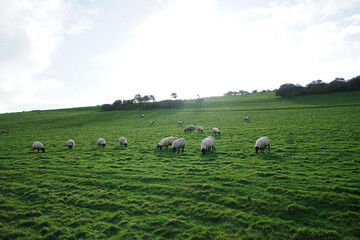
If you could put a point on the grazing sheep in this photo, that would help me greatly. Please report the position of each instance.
(189, 127)
(216, 131)
(152, 122)
(142, 115)
(39, 146)
(180, 123)
(123, 141)
(207, 144)
(262, 143)
(3, 131)
(101, 142)
(165, 142)
(199, 128)
(70, 143)
(247, 119)
(178, 144)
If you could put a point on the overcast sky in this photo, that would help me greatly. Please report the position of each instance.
(67, 53)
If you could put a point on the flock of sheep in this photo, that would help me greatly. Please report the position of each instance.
(207, 144)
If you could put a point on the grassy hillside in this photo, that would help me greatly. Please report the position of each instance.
(306, 187)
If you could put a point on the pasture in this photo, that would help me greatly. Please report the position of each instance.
(306, 187)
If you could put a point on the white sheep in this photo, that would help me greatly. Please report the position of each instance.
(178, 144)
(207, 144)
(199, 128)
(39, 146)
(123, 141)
(3, 131)
(70, 143)
(152, 122)
(247, 118)
(216, 131)
(165, 142)
(180, 123)
(142, 115)
(101, 142)
(262, 143)
(189, 127)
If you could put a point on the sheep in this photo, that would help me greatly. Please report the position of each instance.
(262, 143)
(165, 142)
(180, 123)
(70, 143)
(247, 118)
(199, 128)
(123, 141)
(39, 146)
(216, 131)
(189, 127)
(178, 144)
(142, 115)
(3, 131)
(207, 144)
(101, 142)
(152, 122)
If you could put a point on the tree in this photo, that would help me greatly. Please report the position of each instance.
(145, 98)
(289, 90)
(338, 85)
(230, 93)
(174, 95)
(316, 87)
(138, 98)
(243, 92)
(199, 100)
(354, 83)
(117, 105)
(152, 98)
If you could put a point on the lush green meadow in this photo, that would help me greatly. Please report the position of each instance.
(306, 187)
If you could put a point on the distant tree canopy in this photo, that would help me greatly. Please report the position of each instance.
(174, 95)
(142, 102)
(235, 93)
(289, 90)
(144, 99)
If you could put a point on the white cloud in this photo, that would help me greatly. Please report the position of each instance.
(190, 48)
(31, 30)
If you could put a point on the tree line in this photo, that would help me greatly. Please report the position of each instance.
(289, 90)
(243, 92)
(143, 102)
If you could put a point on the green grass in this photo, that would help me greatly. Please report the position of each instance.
(307, 187)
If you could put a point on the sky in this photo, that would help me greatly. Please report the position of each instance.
(74, 53)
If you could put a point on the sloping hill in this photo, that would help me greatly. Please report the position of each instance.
(306, 187)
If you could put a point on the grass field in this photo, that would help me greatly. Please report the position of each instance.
(306, 187)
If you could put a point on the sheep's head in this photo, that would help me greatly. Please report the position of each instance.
(70, 146)
(203, 150)
(125, 144)
(103, 144)
(257, 149)
(43, 149)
